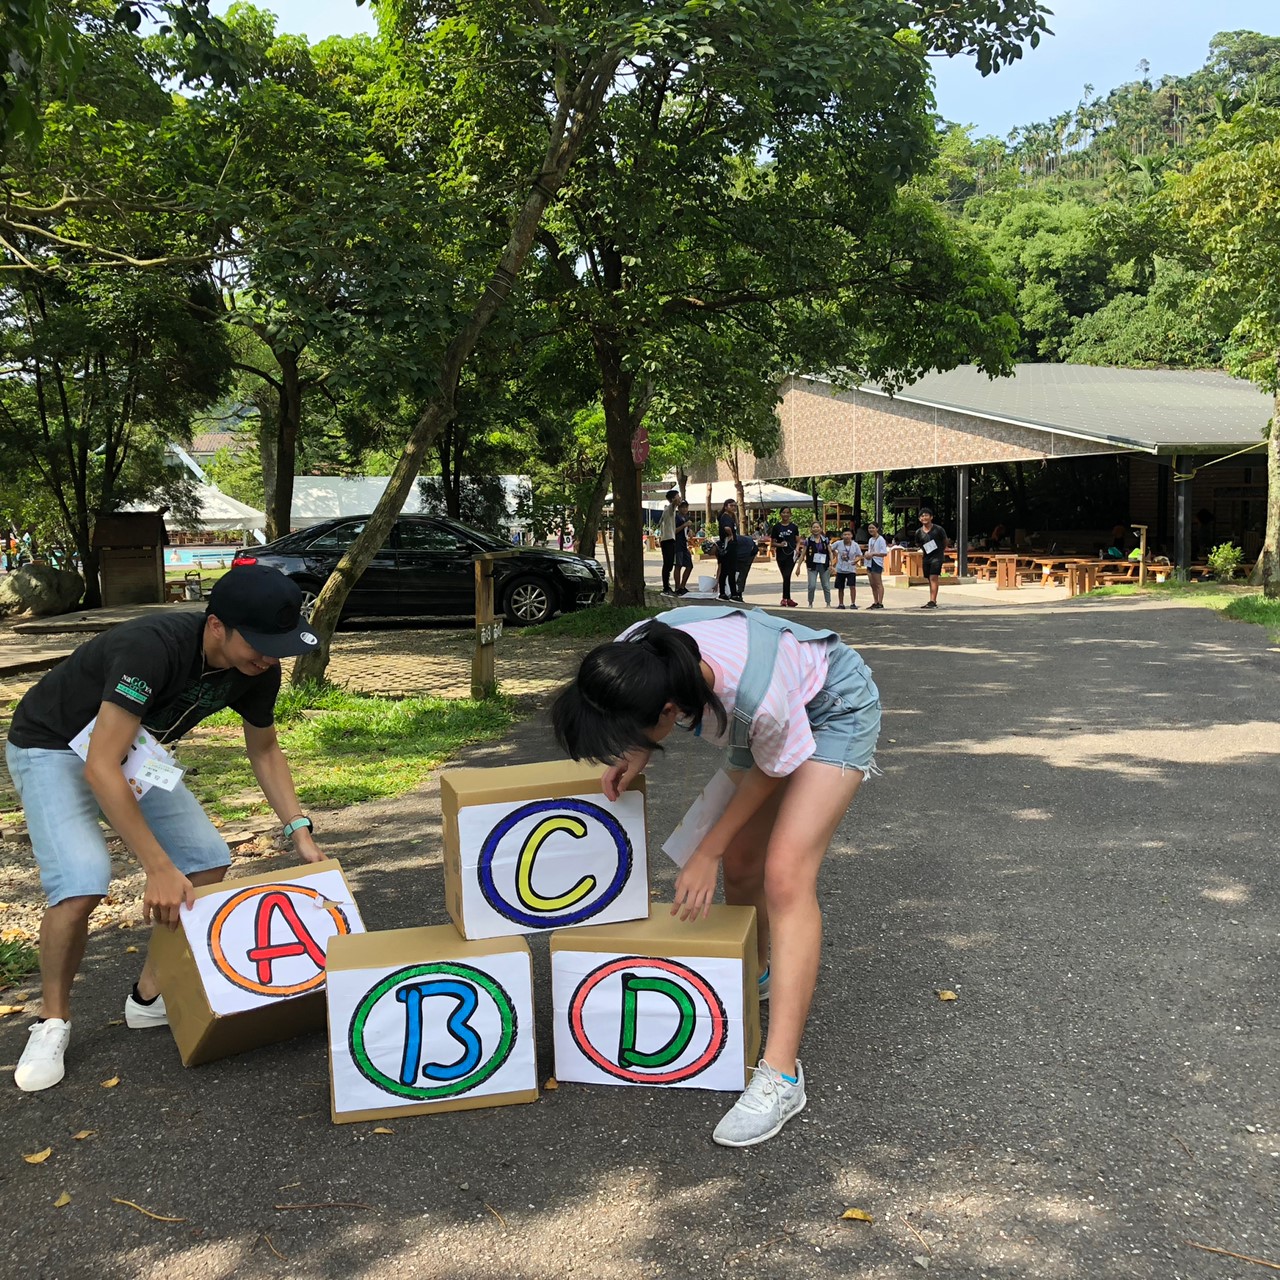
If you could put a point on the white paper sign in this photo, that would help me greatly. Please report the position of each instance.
(145, 750)
(930, 547)
(703, 814)
(431, 1032)
(552, 864)
(673, 1021)
(256, 944)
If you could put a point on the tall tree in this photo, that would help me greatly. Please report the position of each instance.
(524, 87)
(1229, 205)
(103, 361)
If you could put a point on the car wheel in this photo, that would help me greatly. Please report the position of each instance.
(528, 600)
(310, 592)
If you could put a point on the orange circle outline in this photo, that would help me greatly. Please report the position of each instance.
(232, 974)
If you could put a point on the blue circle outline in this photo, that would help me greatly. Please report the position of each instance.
(484, 864)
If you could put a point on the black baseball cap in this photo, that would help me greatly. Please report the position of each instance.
(265, 607)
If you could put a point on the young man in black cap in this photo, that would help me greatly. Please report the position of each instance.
(163, 673)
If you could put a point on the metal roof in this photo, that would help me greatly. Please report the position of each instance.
(1155, 410)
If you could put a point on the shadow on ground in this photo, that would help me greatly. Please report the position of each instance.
(1075, 832)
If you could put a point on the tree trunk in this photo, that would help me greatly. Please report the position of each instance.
(586, 522)
(88, 566)
(1271, 545)
(628, 515)
(267, 439)
(577, 110)
(280, 512)
(732, 460)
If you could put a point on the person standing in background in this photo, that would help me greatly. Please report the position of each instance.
(847, 553)
(817, 555)
(931, 538)
(873, 558)
(684, 556)
(728, 549)
(786, 543)
(667, 539)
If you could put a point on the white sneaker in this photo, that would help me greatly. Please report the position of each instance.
(766, 1105)
(41, 1065)
(138, 1016)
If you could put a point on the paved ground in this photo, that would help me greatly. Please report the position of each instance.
(1076, 832)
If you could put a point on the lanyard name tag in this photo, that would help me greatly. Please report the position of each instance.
(819, 558)
(159, 774)
(930, 547)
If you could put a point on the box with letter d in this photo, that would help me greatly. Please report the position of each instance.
(531, 847)
(658, 1001)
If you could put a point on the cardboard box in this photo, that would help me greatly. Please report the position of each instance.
(537, 846)
(658, 1002)
(247, 966)
(421, 1020)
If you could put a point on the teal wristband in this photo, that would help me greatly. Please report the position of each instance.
(297, 824)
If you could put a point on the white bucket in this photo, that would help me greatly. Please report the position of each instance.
(706, 582)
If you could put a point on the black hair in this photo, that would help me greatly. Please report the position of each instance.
(926, 511)
(612, 705)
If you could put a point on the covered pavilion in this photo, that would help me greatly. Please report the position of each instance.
(1194, 438)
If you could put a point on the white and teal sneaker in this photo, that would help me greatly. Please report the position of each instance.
(767, 1103)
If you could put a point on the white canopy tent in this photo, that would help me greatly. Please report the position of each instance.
(317, 498)
(758, 493)
(219, 512)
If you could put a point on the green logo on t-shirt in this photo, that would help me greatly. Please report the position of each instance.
(134, 687)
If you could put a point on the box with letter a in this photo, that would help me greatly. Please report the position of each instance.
(421, 1020)
(247, 965)
(659, 1001)
(529, 847)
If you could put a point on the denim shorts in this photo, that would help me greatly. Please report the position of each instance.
(845, 714)
(69, 844)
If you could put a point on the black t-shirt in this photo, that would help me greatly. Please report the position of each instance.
(936, 535)
(152, 667)
(728, 529)
(786, 537)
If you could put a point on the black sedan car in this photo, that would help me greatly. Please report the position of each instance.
(426, 569)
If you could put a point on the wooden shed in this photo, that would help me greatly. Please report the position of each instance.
(130, 548)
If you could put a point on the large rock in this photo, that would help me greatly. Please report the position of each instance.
(40, 590)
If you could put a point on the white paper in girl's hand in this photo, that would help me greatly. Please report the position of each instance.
(703, 814)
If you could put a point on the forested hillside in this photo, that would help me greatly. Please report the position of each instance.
(1067, 209)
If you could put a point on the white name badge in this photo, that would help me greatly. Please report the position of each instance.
(159, 774)
(819, 559)
(930, 547)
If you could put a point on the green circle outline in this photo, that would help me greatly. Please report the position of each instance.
(506, 1012)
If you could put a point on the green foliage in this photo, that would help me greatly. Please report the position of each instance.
(18, 959)
(603, 621)
(1224, 560)
(1164, 329)
(1257, 609)
(344, 748)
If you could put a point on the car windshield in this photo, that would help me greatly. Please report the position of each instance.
(489, 540)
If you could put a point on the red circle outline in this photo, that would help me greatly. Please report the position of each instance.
(720, 1026)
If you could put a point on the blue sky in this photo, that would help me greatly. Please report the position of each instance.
(1097, 42)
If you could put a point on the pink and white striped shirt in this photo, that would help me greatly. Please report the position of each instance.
(780, 737)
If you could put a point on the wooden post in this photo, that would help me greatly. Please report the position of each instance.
(484, 679)
(1141, 530)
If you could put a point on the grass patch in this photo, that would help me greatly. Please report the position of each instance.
(343, 747)
(1257, 609)
(604, 620)
(18, 959)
